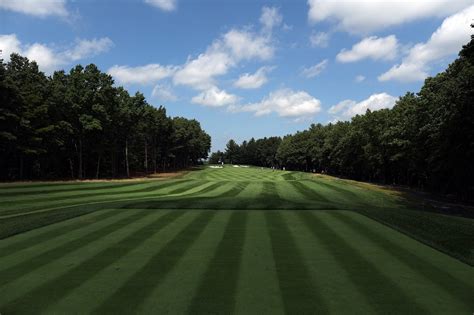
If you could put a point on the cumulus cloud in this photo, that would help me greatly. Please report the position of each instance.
(270, 18)
(87, 48)
(163, 93)
(359, 78)
(253, 81)
(144, 75)
(373, 47)
(319, 39)
(315, 70)
(352, 16)
(165, 5)
(215, 98)
(224, 53)
(285, 103)
(447, 40)
(50, 59)
(347, 109)
(40, 8)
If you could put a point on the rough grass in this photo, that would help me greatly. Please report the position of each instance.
(221, 241)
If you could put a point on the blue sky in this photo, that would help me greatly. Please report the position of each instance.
(246, 68)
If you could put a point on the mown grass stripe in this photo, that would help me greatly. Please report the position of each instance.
(51, 234)
(298, 293)
(43, 296)
(35, 204)
(47, 189)
(308, 192)
(451, 286)
(217, 290)
(378, 288)
(46, 257)
(134, 292)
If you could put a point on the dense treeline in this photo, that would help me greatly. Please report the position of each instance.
(78, 125)
(426, 140)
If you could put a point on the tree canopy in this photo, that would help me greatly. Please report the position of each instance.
(426, 140)
(79, 125)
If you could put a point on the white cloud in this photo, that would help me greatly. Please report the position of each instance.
(224, 53)
(315, 70)
(245, 45)
(165, 5)
(40, 8)
(366, 16)
(253, 81)
(148, 74)
(214, 97)
(373, 47)
(50, 59)
(270, 18)
(347, 109)
(319, 39)
(200, 72)
(85, 48)
(447, 40)
(286, 103)
(163, 93)
(359, 78)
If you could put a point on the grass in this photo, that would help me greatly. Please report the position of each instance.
(231, 240)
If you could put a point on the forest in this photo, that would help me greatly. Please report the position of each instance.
(425, 141)
(78, 125)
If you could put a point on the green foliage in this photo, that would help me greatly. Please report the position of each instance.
(78, 125)
(425, 141)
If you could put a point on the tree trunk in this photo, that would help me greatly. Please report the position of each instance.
(126, 158)
(21, 166)
(98, 167)
(80, 170)
(146, 157)
(71, 168)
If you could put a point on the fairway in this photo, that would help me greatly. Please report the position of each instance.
(230, 240)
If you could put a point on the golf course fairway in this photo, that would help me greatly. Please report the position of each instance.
(229, 240)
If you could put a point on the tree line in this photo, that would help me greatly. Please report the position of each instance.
(426, 140)
(79, 125)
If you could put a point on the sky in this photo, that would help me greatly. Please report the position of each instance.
(248, 68)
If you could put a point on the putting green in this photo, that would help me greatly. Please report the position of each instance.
(231, 240)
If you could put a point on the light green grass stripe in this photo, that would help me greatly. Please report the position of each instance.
(258, 291)
(299, 294)
(43, 296)
(108, 280)
(371, 279)
(334, 283)
(53, 263)
(127, 299)
(51, 232)
(175, 292)
(217, 289)
(425, 279)
(27, 259)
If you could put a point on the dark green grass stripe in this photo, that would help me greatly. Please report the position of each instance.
(346, 192)
(456, 289)
(217, 291)
(378, 288)
(23, 223)
(299, 295)
(49, 235)
(43, 296)
(190, 185)
(233, 192)
(50, 255)
(308, 192)
(76, 198)
(141, 284)
(41, 189)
